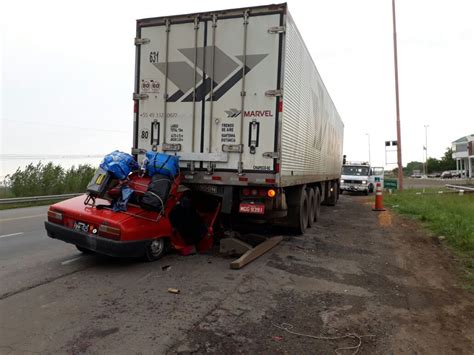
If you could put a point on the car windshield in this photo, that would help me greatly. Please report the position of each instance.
(355, 170)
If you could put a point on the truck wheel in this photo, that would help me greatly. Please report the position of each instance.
(311, 205)
(299, 218)
(155, 249)
(317, 204)
(334, 194)
(297, 201)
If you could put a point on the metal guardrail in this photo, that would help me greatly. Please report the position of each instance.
(7, 201)
(458, 187)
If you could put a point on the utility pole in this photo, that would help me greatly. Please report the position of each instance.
(368, 139)
(399, 136)
(426, 149)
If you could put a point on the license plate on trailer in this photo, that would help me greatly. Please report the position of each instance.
(252, 208)
(81, 227)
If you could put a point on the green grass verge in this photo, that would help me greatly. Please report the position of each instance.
(447, 214)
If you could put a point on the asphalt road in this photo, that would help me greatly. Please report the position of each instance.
(29, 258)
(356, 272)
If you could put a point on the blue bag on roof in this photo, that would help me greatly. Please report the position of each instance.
(160, 163)
(119, 164)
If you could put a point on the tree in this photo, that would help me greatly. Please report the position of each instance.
(49, 179)
(413, 165)
(446, 163)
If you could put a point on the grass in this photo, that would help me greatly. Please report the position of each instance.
(448, 214)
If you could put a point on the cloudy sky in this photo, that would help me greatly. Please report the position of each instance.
(67, 73)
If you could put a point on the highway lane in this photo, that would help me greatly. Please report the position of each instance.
(53, 299)
(28, 257)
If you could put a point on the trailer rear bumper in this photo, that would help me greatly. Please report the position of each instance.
(95, 243)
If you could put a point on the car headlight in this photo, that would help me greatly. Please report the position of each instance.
(342, 180)
(364, 182)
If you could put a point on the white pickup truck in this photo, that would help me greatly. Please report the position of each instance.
(360, 177)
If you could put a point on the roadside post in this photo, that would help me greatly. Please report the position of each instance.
(378, 198)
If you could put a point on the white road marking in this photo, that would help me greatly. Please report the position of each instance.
(70, 261)
(24, 217)
(11, 235)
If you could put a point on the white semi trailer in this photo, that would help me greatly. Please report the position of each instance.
(236, 95)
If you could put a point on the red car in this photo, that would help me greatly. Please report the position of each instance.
(134, 233)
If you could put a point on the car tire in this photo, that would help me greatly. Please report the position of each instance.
(155, 249)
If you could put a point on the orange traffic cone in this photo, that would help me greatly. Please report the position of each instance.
(378, 198)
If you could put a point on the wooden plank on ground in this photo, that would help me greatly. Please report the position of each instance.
(254, 253)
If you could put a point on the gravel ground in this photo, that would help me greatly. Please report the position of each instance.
(357, 272)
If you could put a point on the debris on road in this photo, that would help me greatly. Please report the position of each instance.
(173, 290)
(254, 253)
(233, 247)
(288, 328)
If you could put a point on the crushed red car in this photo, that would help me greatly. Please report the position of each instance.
(94, 226)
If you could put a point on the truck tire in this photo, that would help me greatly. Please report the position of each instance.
(317, 203)
(311, 205)
(298, 209)
(334, 195)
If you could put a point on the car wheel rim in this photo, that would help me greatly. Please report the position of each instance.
(156, 247)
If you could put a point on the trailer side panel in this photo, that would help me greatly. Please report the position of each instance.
(312, 131)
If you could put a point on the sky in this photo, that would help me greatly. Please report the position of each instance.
(67, 72)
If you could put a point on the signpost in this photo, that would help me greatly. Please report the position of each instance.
(391, 184)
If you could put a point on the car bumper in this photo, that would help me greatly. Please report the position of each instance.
(95, 243)
(350, 187)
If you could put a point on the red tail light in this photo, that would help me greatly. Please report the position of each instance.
(109, 232)
(243, 178)
(277, 167)
(55, 217)
(216, 178)
(270, 181)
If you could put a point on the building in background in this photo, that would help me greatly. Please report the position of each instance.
(463, 153)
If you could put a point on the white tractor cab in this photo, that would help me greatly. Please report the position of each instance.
(360, 177)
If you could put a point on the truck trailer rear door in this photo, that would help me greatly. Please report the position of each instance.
(208, 89)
